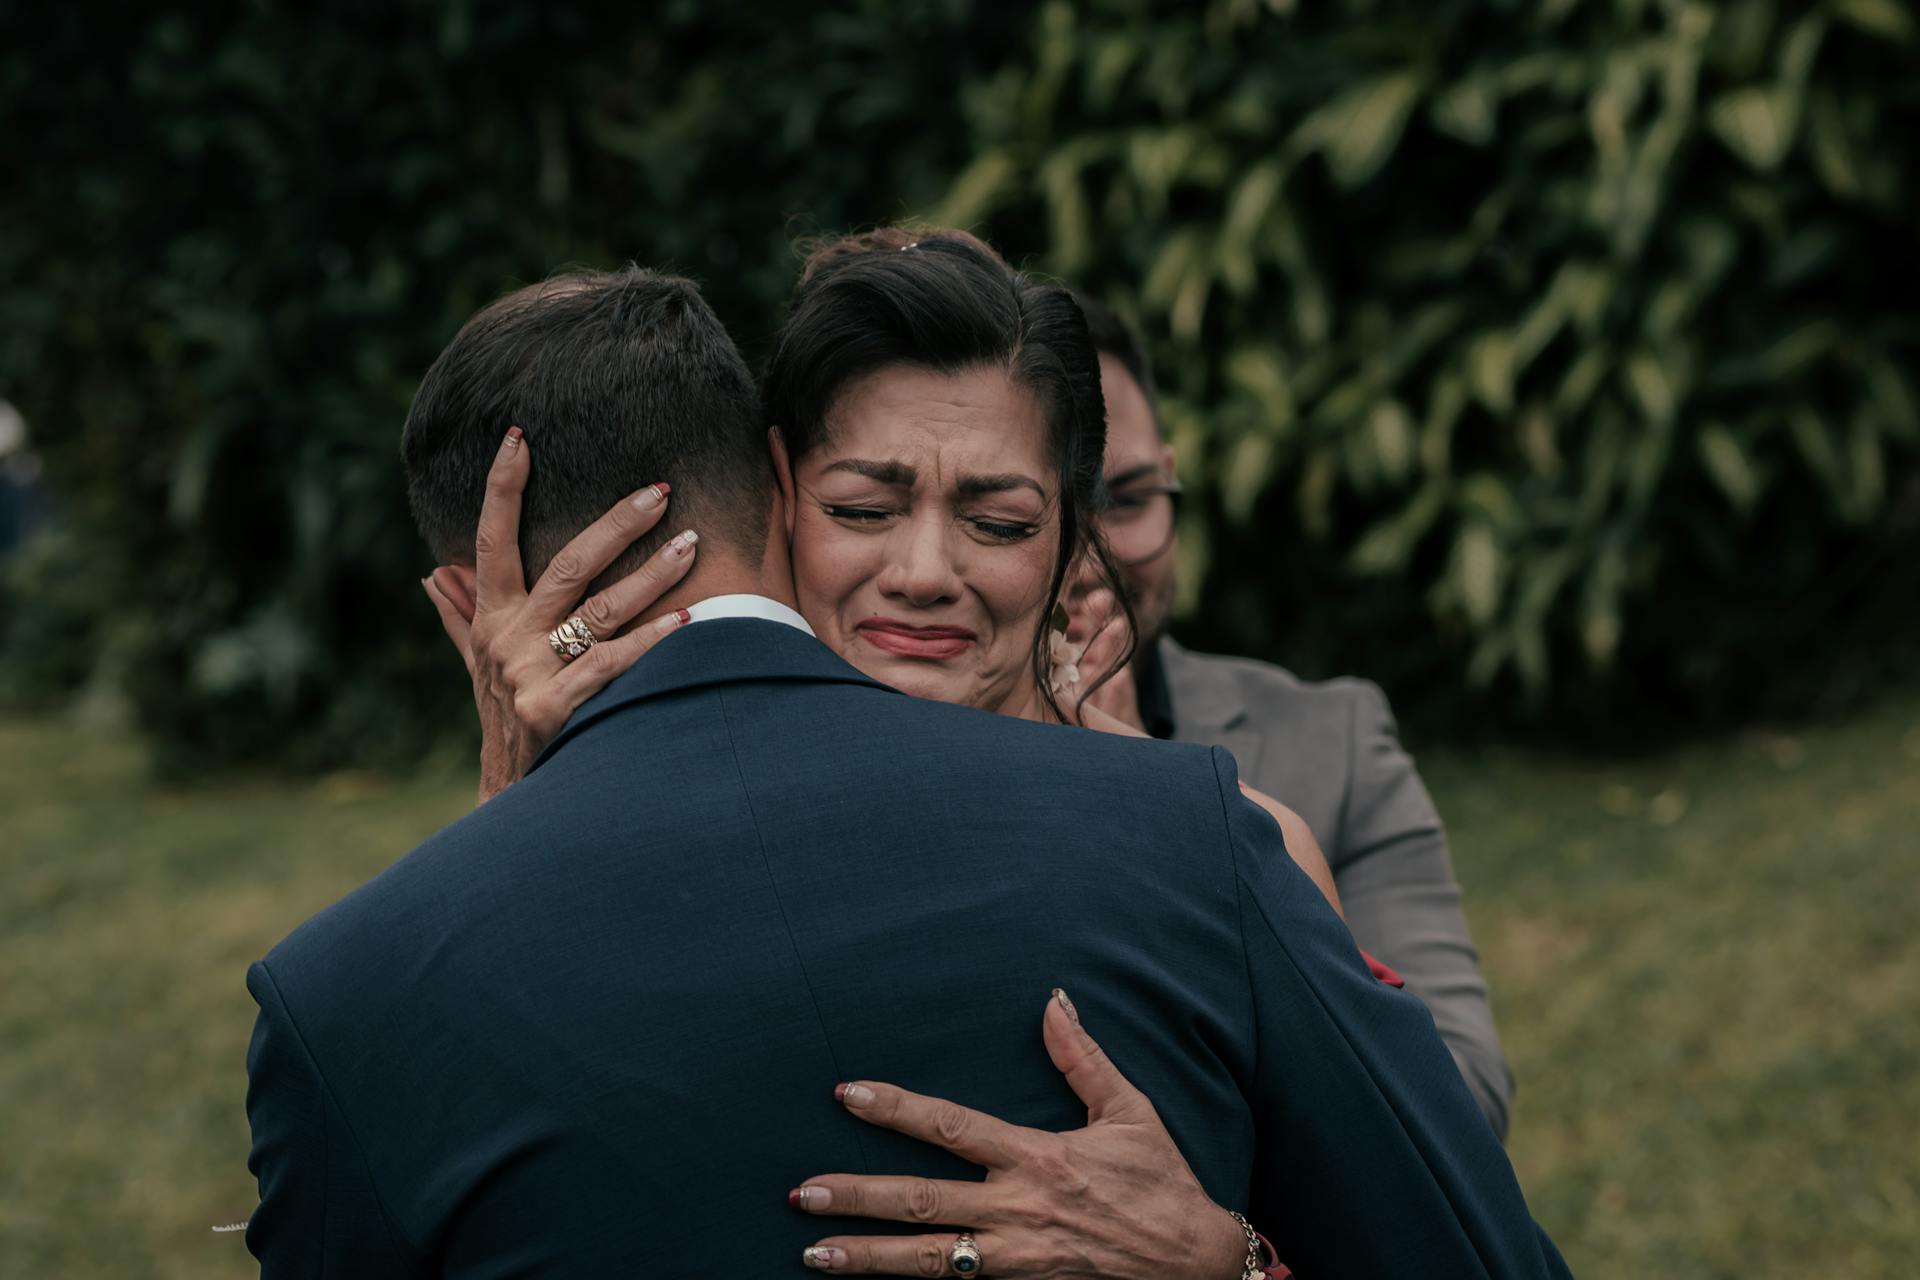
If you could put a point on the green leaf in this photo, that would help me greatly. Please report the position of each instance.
(1170, 267)
(1894, 399)
(1261, 374)
(977, 190)
(1652, 388)
(1389, 545)
(1726, 462)
(1886, 18)
(1466, 111)
(1479, 569)
(1833, 152)
(1488, 499)
(1358, 131)
(1756, 124)
(1868, 464)
(1070, 223)
(1248, 466)
(1490, 371)
(1390, 432)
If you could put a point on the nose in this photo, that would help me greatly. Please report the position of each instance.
(921, 568)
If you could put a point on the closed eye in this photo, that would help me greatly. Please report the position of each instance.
(863, 515)
(1005, 532)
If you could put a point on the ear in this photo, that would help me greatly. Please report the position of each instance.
(783, 474)
(457, 584)
(1166, 462)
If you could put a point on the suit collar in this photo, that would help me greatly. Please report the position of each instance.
(719, 651)
(1209, 710)
(1198, 703)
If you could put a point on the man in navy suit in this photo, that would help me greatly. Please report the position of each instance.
(594, 1027)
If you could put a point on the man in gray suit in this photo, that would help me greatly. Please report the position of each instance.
(1327, 750)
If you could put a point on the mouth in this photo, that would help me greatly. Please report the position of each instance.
(928, 644)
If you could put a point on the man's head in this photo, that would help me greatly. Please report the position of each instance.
(619, 379)
(1139, 526)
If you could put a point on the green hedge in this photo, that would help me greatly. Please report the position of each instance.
(1526, 357)
(1553, 357)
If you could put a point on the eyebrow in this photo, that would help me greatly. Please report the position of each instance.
(899, 473)
(975, 486)
(893, 473)
(1132, 474)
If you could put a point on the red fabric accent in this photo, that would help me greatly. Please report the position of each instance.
(1279, 1270)
(1383, 972)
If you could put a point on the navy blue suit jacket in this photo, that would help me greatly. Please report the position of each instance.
(594, 1027)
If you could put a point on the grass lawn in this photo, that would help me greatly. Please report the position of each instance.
(1706, 968)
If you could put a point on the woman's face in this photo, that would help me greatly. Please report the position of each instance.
(925, 531)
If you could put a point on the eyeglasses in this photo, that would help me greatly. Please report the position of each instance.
(1139, 523)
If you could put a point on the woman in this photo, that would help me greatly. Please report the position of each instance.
(937, 437)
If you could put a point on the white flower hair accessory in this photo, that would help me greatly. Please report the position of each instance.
(1064, 678)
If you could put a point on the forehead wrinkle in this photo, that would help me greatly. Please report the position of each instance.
(889, 472)
(974, 486)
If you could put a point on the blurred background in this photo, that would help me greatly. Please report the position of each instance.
(1551, 364)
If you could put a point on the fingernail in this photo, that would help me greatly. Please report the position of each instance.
(514, 435)
(673, 621)
(650, 497)
(854, 1095)
(682, 544)
(823, 1259)
(1066, 1005)
(812, 1199)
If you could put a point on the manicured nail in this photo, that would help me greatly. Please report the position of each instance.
(854, 1095)
(812, 1199)
(650, 497)
(514, 436)
(823, 1259)
(672, 621)
(682, 544)
(1066, 1005)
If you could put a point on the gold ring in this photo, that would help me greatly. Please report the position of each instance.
(571, 639)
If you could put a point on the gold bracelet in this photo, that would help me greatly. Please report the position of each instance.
(1254, 1268)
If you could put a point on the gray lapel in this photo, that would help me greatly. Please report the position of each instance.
(1206, 711)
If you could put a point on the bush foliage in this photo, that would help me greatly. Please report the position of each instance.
(1536, 357)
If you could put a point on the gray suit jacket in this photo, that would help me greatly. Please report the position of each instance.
(1329, 752)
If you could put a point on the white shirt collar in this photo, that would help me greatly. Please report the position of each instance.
(745, 605)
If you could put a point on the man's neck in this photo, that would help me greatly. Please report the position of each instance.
(718, 574)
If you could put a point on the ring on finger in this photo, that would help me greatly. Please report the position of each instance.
(964, 1256)
(571, 639)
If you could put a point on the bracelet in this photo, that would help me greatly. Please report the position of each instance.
(1257, 1250)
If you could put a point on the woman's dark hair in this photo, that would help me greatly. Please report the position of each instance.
(943, 300)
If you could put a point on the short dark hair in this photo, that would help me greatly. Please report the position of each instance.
(619, 379)
(1112, 337)
(943, 300)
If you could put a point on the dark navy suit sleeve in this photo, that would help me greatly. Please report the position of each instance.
(319, 1215)
(1371, 1158)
